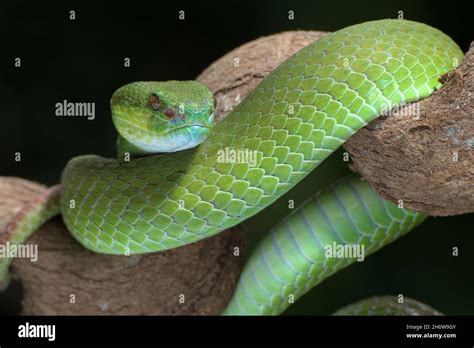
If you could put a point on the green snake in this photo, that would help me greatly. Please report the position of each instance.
(176, 189)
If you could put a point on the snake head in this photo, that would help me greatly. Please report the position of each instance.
(163, 116)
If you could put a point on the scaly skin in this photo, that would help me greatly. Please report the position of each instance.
(293, 258)
(293, 120)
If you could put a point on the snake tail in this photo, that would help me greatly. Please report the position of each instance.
(333, 229)
(25, 223)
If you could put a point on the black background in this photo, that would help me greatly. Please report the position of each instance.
(82, 61)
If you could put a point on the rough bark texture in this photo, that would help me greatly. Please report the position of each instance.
(68, 279)
(426, 159)
(402, 158)
(423, 153)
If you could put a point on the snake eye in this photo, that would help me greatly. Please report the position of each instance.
(215, 103)
(170, 112)
(154, 101)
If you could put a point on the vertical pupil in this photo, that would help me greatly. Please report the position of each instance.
(154, 102)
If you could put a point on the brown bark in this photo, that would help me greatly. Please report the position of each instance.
(68, 279)
(424, 153)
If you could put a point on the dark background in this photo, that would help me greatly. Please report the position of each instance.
(82, 61)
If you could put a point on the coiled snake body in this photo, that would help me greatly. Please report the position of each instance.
(293, 120)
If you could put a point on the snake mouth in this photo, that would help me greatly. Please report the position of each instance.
(193, 126)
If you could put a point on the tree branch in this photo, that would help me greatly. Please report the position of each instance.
(68, 279)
